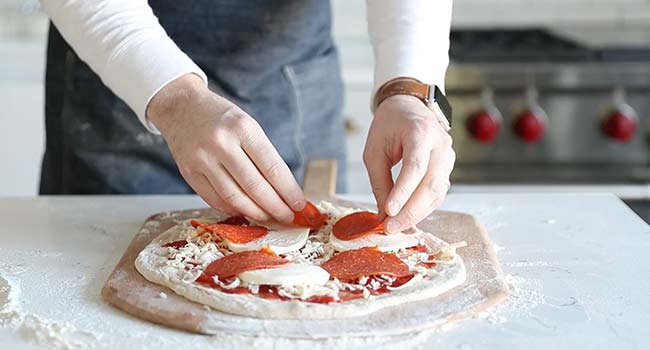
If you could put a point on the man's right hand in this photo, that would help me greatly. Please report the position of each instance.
(223, 153)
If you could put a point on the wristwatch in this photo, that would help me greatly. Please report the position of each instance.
(429, 94)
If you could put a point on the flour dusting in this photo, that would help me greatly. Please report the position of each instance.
(8, 304)
(409, 341)
(36, 329)
(526, 263)
(525, 296)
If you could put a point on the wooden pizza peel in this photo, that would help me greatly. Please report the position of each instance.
(485, 286)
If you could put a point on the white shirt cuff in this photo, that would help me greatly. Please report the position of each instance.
(123, 42)
(410, 39)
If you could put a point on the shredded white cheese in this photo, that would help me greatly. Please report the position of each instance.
(253, 288)
(236, 282)
(450, 249)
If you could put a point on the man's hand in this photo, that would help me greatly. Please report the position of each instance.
(405, 129)
(223, 153)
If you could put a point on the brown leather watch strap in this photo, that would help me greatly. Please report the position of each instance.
(402, 86)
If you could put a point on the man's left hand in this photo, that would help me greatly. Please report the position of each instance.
(405, 129)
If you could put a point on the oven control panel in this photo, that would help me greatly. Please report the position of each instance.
(582, 123)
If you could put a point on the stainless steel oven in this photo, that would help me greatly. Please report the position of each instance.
(532, 107)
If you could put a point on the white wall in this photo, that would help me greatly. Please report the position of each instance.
(21, 116)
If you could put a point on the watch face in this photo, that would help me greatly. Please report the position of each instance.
(440, 99)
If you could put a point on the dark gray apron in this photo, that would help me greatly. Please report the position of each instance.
(274, 59)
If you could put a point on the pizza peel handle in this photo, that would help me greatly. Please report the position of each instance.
(320, 179)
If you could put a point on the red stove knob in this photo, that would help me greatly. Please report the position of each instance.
(483, 126)
(619, 126)
(529, 126)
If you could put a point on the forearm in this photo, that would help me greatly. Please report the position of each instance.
(173, 100)
(123, 43)
(410, 38)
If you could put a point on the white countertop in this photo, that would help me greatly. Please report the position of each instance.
(579, 266)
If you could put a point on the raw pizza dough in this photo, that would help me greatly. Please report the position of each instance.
(153, 263)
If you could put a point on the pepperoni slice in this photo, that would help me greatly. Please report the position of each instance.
(197, 223)
(357, 225)
(369, 261)
(233, 233)
(234, 264)
(310, 217)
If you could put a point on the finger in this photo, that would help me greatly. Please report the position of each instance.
(423, 201)
(381, 179)
(204, 189)
(230, 192)
(245, 173)
(427, 196)
(415, 162)
(267, 160)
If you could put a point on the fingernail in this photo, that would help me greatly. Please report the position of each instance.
(393, 226)
(391, 208)
(299, 205)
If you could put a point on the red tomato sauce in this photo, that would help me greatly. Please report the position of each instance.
(266, 292)
(176, 244)
(271, 292)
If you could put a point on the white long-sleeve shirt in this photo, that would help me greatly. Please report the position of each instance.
(124, 44)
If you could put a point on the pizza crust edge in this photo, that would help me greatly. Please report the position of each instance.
(250, 305)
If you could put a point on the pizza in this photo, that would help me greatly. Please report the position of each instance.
(333, 262)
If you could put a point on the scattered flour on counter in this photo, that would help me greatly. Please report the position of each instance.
(34, 328)
(152, 223)
(12, 269)
(58, 335)
(529, 264)
(9, 315)
(415, 340)
(525, 295)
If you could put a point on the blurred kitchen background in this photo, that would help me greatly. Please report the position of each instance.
(548, 95)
